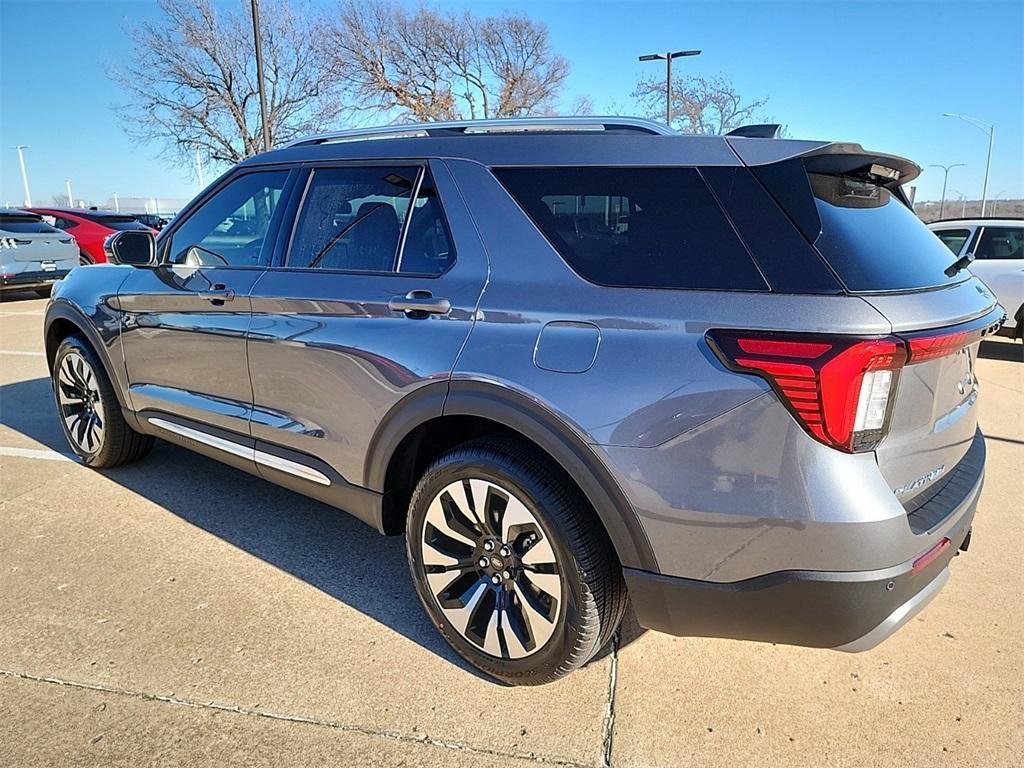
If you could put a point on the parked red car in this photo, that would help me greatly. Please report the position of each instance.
(90, 228)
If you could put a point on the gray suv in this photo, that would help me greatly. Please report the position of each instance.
(576, 363)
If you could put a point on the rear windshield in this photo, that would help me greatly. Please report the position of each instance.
(22, 224)
(118, 222)
(873, 241)
(635, 227)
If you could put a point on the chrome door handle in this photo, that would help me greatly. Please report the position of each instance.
(419, 304)
(218, 295)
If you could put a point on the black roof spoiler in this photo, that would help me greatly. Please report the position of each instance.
(830, 157)
(759, 131)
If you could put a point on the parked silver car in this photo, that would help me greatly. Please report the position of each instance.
(575, 362)
(33, 255)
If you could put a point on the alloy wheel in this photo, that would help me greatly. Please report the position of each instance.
(80, 403)
(491, 568)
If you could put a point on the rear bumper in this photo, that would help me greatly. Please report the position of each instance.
(850, 611)
(33, 279)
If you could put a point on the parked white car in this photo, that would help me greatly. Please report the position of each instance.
(998, 248)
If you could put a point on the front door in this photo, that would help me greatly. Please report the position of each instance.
(184, 321)
(372, 299)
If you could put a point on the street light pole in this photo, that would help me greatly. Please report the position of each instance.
(24, 175)
(963, 201)
(995, 201)
(991, 131)
(71, 198)
(945, 178)
(259, 73)
(199, 171)
(668, 56)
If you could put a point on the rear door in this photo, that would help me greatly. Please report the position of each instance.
(371, 300)
(184, 321)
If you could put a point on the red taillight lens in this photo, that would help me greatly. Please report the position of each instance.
(930, 347)
(838, 387)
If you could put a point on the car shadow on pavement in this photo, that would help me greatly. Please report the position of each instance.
(322, 546)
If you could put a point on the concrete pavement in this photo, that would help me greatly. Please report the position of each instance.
(178, 612)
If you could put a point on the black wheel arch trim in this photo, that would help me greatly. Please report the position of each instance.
(63, 310)
(535, 422)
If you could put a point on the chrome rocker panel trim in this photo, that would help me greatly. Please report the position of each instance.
(242, 451)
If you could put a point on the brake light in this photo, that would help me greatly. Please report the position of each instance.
(839, 388)
(930, 347)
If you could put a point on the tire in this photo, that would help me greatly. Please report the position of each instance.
(89, 411)
(553, 596)
(84, 259)
(43, 293)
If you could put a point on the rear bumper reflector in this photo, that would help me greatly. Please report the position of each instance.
(930, 556)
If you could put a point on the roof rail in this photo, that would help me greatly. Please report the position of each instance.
(760, 131)
(496, 126)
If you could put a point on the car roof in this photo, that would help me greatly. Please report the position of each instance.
(81, 211)
(977, 221)
(16, 212)
(592, 141)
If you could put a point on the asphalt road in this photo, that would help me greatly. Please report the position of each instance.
(178, 612)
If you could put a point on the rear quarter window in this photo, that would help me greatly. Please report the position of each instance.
(635, 227)
(953, 239)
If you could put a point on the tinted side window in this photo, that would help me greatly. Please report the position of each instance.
(635, 227)
(953, 239)
(351, 218)
(229, 229)
(428, 248)
(1000, 243)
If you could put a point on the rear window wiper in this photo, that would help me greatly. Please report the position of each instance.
(960, 264)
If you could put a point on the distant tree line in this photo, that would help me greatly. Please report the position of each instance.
(190, 85)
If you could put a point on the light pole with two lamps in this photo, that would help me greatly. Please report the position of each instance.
(668, 56)
(945, 178)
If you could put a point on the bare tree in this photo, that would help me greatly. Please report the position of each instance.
(424, 64)
(518, 52)
(699, 104)
(583, 105)
(192, 79)
(384, 57)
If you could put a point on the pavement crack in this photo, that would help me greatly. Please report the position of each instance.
(609, 718)
(303, 719)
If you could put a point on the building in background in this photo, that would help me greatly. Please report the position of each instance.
(161, 205)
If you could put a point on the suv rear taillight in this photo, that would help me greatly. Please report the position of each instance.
(838, 387)
(841, 388)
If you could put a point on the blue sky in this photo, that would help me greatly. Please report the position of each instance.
(879, 73)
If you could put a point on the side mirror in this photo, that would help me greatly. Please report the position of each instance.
(131, 246)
